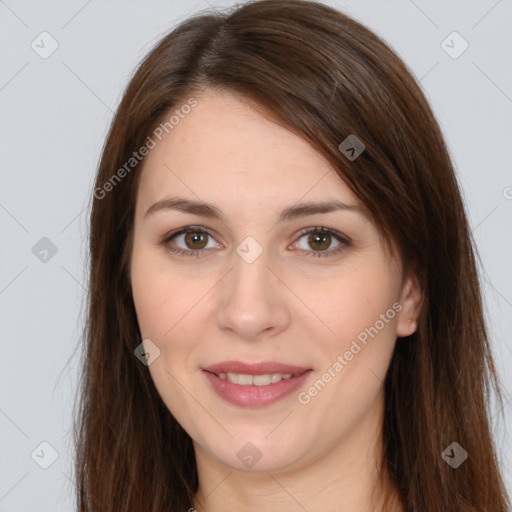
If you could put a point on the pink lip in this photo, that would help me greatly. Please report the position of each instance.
(255, 396)
(254, 369)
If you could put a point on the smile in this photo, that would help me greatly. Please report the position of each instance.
(246, 390)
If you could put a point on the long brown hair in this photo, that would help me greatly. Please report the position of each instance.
(324, 76)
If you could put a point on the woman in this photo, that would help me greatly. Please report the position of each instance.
(284, 306)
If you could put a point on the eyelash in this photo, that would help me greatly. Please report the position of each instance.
(344, 241)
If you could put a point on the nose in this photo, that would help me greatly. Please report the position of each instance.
(252, 300)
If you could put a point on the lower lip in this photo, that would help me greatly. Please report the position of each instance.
(255, 396)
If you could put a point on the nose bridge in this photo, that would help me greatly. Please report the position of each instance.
(251, 301)
(250, 272)
(250, 280)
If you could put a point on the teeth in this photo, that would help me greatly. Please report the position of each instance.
(244, 380)
(254, 380)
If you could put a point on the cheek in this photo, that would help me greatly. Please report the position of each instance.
(161, 297)
(170, 308)
(361, 312)
(148, 297)
(164, 308)
(357, 301)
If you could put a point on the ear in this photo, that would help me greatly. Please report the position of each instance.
(411, 300)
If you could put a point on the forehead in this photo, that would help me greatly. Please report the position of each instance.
(224, 151)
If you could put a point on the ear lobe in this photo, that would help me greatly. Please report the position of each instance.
(411, 300)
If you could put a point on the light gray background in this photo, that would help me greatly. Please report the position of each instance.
(54, 117)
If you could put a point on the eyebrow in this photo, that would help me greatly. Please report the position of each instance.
(208, 210)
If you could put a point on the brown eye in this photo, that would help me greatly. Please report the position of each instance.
(189, 241)
(196, 239)
(320, 241)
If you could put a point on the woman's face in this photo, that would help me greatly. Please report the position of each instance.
(254, 285)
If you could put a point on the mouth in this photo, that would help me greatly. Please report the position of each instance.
(255, 385)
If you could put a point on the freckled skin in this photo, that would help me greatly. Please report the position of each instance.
(284, 306)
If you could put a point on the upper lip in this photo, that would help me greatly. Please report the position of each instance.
(263, 368)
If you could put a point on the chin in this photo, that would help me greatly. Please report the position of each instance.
(258, 455)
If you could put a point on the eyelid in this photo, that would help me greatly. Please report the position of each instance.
(344, 241)
(185, 229)
(199, 229)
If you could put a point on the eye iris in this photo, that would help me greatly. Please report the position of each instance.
(196, 237)
(320, 239)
